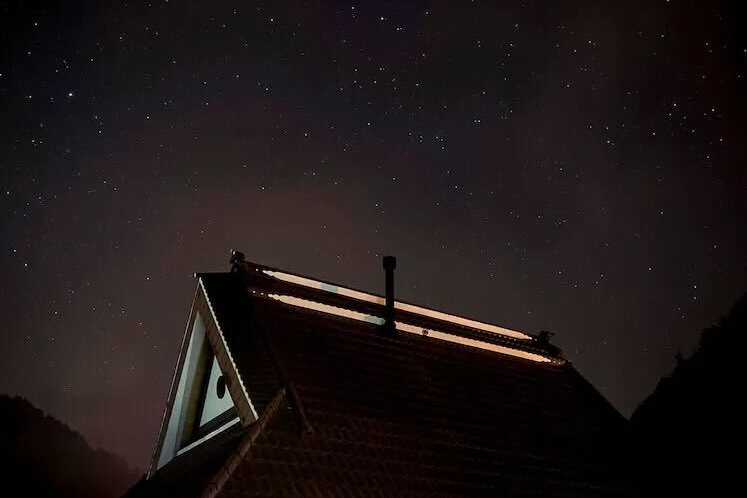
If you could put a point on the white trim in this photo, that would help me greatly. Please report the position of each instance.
(411, 308)
(173, 390)
(208, 436)
(225, 346)
(185, 392)
(326, 308)
(406, 327)
(465, 341)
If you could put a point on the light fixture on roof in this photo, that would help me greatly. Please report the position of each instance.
(398, 305)
(412, 329)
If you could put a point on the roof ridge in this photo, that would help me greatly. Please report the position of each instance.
(285, 379)
(252, 270)
(255, 430)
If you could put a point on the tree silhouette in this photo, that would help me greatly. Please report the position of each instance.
(41, 456)
(689, 431)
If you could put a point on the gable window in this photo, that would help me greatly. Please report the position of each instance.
(215, 406)
(202, 404)
(207, 405)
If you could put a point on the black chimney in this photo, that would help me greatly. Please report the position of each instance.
(390, 263)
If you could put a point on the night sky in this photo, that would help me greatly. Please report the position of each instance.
(572, 166)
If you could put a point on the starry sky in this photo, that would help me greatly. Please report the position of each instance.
(575, 166)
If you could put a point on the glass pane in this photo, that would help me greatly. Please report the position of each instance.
(214, 405)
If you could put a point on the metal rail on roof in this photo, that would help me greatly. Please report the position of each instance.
(411, 308)
(406, 327)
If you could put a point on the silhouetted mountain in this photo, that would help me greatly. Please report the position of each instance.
(41, 456)
(689, 429)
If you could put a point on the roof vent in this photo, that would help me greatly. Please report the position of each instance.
(389, 327)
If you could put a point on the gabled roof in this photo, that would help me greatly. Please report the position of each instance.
(187, 475)
(446, 407)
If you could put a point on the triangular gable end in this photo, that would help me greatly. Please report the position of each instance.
(206, 395)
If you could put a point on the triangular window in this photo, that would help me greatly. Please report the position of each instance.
(202, 405)
(215, 406)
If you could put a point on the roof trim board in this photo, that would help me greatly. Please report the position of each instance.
(224, 474)
(400, 305)
(207, 436)
(227, 350)
(174, 384)
(405, 327)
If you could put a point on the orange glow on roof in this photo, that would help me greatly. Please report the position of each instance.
(405, 327)
(411, 308)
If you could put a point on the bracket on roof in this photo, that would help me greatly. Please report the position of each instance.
(237, 260)
(239, 265)
(543, 340)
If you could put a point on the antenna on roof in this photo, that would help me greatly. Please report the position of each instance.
(389, 327)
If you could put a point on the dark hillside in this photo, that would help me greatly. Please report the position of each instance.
(41, 456)
(689, 430)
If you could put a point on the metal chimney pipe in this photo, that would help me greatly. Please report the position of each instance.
(390, 263)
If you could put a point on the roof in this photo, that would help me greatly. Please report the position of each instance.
(447, 407)
(187, 475)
